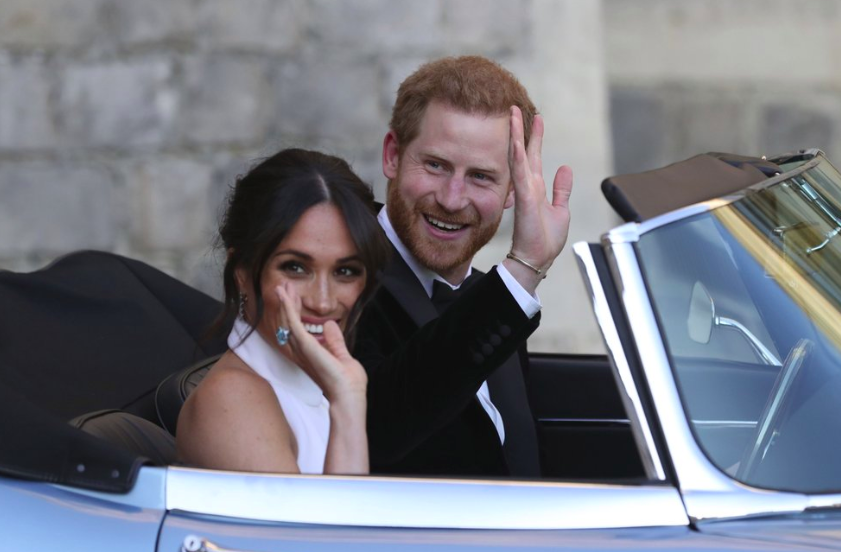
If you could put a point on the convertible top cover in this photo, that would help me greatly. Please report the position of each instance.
(92, 331)
(642, 196)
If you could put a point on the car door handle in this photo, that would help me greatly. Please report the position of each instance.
(193, 543)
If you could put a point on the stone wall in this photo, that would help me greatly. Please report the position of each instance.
(123, 123)
(756, 77)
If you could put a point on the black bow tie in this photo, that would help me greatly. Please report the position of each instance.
(443, 295)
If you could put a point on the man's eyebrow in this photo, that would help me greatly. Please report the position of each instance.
(473, 168)
(486, 170)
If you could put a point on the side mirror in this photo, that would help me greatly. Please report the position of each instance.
(701, 314)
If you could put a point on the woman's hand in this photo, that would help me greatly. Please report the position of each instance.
(339, 375)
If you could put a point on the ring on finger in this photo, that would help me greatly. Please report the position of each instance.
(282, 336)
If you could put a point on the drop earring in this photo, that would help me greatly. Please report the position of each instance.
(243, 299)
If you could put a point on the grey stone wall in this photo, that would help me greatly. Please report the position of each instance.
(756, 77)
(123, 123)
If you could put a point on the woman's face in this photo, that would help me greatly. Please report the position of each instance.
(321, 263)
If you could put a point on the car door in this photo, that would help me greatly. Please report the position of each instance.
(237, 511)
(583, 429)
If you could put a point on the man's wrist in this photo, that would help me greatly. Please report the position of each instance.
(526, 299)
(525, 276)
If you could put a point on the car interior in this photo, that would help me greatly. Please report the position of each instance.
(113, 347)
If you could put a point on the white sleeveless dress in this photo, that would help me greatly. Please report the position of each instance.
(304, 405)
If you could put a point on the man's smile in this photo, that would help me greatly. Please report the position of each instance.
(442, 225)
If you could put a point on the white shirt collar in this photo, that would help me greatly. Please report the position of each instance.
(423, 274)
(271, 364)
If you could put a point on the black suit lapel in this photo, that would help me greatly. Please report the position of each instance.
(506, 384)
(508, 393)
(399, 279)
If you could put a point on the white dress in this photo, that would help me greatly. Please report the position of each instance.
(304, 405)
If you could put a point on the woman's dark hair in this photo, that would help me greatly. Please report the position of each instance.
(265, 204)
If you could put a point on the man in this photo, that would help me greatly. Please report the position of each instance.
(457, 155)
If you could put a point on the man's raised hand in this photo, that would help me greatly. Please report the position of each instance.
(541, 227)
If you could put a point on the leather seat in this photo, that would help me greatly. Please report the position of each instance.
(174, 390)
(131, 433)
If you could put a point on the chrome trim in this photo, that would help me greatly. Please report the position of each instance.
(764, 354)
(824, 501)
(640, 427)
(631, 231)
(585, 421)
(708, 493)
(421, 503)
(743, 424)
(195, 543)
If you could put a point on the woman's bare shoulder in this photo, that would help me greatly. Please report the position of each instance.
(230, 384)
(233, 421)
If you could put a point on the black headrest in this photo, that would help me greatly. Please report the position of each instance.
(174, 390)
(95, 330)
(641, 196)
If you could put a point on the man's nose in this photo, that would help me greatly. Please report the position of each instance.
(321, 296)
(452, 195)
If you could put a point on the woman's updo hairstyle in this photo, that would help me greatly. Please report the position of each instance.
(265, 204)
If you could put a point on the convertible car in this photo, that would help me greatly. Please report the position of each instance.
(714, 421)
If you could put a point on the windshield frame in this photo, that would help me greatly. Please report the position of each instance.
(709, 493)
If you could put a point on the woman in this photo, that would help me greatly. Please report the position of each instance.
(303, 249)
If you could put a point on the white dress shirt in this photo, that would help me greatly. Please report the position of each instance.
(529, 304)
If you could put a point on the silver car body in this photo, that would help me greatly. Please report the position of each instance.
(685, 503)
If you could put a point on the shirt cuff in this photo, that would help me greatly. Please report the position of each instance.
(530, 304)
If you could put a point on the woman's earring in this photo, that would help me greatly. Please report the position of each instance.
(243, 299)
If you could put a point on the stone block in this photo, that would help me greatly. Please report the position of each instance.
(203, 271)
(791, 127)
(50, 23)
(275, 26)
(118, 104)
(711, 121)
(226, 100)
(379, 27)
(169, 203)
(330, 99)
(395, 70)
(738, 41)
(639, 128)
(152, 21)
(56, 208)
(25, 113)
(486, 26)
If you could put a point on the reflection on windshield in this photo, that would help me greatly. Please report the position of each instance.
(749, 299)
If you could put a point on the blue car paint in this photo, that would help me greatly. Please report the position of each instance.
(244, 535)
(40, 516)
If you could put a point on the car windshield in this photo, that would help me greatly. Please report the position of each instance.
(748, 297)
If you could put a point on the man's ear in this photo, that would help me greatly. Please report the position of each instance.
(391, 155)
(509, 199)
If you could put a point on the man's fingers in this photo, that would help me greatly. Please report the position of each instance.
(562, 187)
(517, 131)
(520, 170)
(536, 146)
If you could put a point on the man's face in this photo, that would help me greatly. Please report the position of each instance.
(449, 186)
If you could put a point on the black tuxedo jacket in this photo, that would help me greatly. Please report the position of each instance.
(424, 372)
